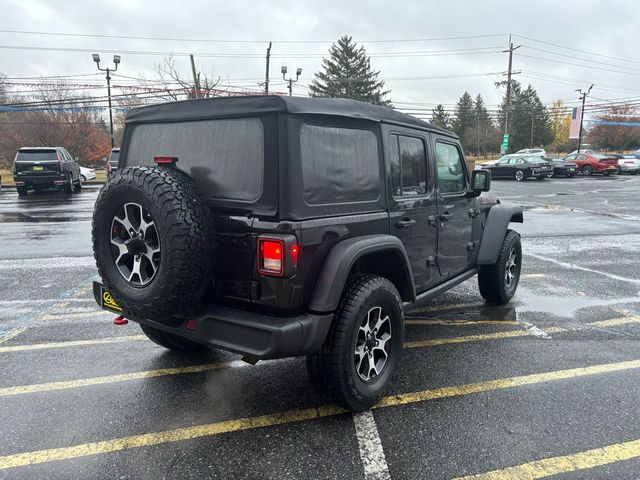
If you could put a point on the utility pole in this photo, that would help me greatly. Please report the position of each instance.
(508, 102)
(583, 97)
(196, 81)
(116, 61)
(266, 75)
(478, 118)
(532, 117)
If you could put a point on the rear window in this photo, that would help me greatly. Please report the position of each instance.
(339, 165)
(36, 155)
(113, 158)
(225, 157)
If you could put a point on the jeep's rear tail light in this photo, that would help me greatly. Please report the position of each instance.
(271, 256)
(277, 255)
(165, 160)
(109, 168)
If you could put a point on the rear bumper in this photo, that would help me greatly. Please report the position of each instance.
(40, 180)
(252, 334)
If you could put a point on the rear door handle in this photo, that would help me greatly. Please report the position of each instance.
(405, 224)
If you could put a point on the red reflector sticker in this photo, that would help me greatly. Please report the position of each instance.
(190, 324)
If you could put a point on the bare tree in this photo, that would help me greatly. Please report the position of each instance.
(176, 87)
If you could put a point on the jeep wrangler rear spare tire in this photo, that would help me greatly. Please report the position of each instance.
(153, 242)
(498, 283)
(364, 346)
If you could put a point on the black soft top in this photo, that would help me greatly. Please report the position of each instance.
(229, 107)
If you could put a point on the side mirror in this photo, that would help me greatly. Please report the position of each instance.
(480, 182)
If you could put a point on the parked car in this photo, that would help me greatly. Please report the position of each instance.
(87, 174)
(629, 164)
(37, 168)
(280, 226)
(562, 168)
(112, 162)
(590, 163)
(583, 150)
(540, 152)
(520, 167)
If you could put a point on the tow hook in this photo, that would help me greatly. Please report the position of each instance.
(120, 320)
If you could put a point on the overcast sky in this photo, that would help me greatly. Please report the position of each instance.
(606, 28)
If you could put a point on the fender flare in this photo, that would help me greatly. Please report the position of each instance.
(495, 229)
(340, 260)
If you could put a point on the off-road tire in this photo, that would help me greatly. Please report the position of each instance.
(332, 370)
(77, 188)
(491, 278)
(186, 238)
(587, 170)
(170, 341)
(22, 191)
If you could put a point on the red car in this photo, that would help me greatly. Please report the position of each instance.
(590, 163)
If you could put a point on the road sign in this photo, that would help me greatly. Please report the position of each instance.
(505, 143)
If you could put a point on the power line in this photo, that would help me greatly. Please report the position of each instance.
(575, 49)
(209, 40)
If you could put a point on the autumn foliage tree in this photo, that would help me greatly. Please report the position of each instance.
(617, 133)
(53, 117)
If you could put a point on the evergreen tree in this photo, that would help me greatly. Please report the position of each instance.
(440, 117)
(463, 122)
(484, 132)
(527, 110)
(347, 73)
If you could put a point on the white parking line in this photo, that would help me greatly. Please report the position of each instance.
(584, 269)
(371, 452)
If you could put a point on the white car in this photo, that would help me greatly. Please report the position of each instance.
(629, 164)
(87, 174)
(538, 152)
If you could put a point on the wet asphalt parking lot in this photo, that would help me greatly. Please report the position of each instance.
(548, 385)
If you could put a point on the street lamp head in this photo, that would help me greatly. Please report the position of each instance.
(96, 57)
(283, 69)
(116, 59)
(298, 72)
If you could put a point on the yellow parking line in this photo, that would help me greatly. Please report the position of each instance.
(72, 343)
(86, 382)
(476, 338)
(59, 316)
(456, 323)
(616, 321)
(564, 464)
(199, 431)
(11, 334)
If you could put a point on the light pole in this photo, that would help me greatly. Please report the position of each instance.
(583, 97)
(116, 61)
(291, 80)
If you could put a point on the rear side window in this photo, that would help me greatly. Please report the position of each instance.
(339, 165)
(225, 157)
(113, 158)
(36, 156)
(408, 166)
(450, 168)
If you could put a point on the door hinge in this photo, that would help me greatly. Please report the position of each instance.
(432, 260)
(471, 246)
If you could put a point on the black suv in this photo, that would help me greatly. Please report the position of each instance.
(112, 162)
(282, 226)
(38, 168)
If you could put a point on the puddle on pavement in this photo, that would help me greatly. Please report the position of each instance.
(41, 218)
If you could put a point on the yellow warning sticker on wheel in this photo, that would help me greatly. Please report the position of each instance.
(109, 302)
